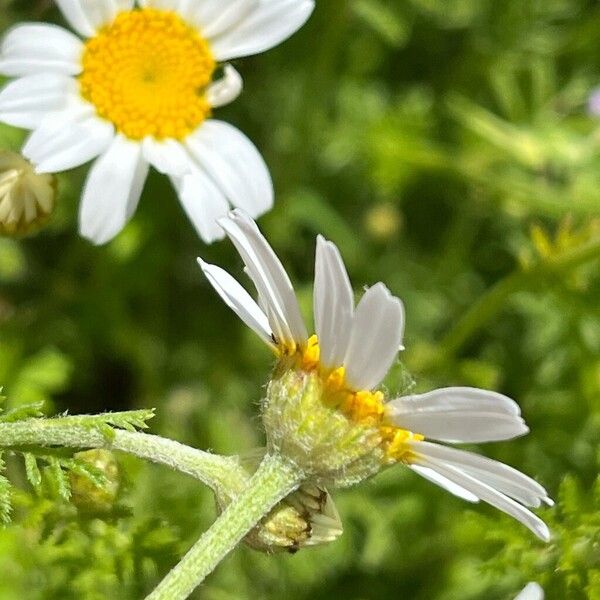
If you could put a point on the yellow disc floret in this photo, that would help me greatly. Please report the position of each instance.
(147, 73)
(364, 407)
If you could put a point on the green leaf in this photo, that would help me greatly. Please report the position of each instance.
(32, 470)
(58, 478)
(130, 421)
(5, 496)
(20, 413)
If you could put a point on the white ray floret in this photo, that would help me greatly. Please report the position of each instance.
(364, 342)
(459, 414)
(212, 165)
(333, 304)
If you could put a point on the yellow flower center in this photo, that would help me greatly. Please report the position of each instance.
(147, 73)
(363, 407)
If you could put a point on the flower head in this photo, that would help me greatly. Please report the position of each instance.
(26, 198)
(137, 88)
(324, 409)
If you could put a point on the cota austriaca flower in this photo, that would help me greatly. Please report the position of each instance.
(139, 90)
(324, 407)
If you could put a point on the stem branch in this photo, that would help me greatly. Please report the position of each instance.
(275, 479)
(212, 470)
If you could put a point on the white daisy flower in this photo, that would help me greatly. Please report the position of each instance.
(532, 591)
(136, 87)
(342, 366)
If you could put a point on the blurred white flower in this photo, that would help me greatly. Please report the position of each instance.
(593, 105)
(532, 591)
(139, 91)
(323, 408)
(26, 198)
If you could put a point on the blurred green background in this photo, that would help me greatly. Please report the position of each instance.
(445, 146)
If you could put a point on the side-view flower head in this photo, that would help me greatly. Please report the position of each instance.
(324, 408)
(139, 90)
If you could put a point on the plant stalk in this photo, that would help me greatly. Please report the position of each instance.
(212, 470)
(275, 478)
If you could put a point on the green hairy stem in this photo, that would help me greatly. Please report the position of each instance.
(276, 478)
(218, 472)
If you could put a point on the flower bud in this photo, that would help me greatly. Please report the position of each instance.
(26, 198)
(308, 517)
(88, 497)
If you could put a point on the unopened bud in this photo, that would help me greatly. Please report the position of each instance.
(26, 198)
(307, 517)
(86, 495)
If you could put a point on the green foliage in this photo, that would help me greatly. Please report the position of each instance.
(440, 144)
(50, 471)
(106, 423)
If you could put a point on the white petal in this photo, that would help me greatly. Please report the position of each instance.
(67, 139)
(167, 156)
(174, 5)
(269, 277)
(532, 591)
(491, 496)
(459, 415)
(204, 204)
(376, 337)
(333, 304)
(231, 14)
(27, 100)
(225, 90)
(444, 483)
(459, 398)
(238, 299)
(269, 23)
(112, 190)
(203, 14)
(505, 479)
(88, 16)
(463, 427)
(235, 165)
(40, 48)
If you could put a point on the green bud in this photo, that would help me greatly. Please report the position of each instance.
(86, 495)
(308, 517)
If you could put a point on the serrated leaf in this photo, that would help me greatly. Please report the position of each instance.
(89, 471)
(58, 478)
(132, 420)
(5, 496)
(32, 470)
(20, 413)
(107, 431)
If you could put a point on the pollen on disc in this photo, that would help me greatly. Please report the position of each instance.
(146, 73)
